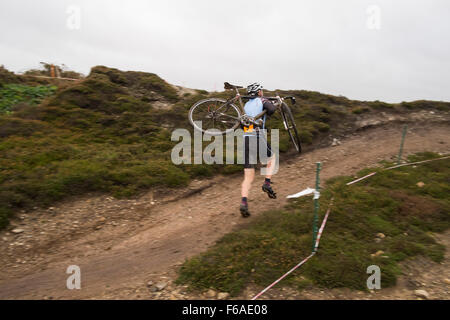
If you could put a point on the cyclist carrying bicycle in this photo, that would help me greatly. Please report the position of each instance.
(254, 140)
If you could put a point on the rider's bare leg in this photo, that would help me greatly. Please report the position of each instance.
(267, 183)
(249, 175)
(270, 167)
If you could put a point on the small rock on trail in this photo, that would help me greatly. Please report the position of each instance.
(422, 294)
(161, 285)
(210, 294)
(335, 143)
(223, 295)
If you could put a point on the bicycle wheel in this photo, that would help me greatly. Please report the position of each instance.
(289, 125)
(217, 117)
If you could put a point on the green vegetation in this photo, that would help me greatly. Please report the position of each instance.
(380, 105)
(100, 134)
(59, 71)
(108, 133)
(8, 77)
(390, 202)
(425, 104)
(13, 94)
(359, 110)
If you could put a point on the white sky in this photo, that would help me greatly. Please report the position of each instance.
(315, 45)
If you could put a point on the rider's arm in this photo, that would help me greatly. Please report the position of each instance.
(269, 106)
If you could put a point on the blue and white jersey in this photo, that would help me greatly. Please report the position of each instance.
(252, 108)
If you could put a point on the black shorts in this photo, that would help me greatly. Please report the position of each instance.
(252, 147)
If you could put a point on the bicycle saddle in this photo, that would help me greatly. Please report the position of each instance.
(231, 86)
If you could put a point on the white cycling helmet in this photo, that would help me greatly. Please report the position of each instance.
(253, 89)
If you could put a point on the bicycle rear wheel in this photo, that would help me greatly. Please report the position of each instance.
(290, 126)
(214, 116)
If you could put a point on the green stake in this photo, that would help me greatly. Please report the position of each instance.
(405, 128)
(316, 206)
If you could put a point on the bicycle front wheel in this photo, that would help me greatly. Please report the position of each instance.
(214, 116)
(289, 125)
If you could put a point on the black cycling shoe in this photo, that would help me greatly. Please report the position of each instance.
(268, 189)
(244, 210)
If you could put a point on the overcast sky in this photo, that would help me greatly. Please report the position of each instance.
(368, 50)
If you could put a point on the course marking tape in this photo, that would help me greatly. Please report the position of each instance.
(286, 274)
(411, 163)
(324, 221)
(302, 193)
(362, 178)
(397, 166)
(316, 195)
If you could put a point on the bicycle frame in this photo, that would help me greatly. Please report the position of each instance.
(238, 116)
(238, 98)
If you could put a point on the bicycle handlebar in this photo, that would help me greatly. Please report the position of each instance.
(292, 98)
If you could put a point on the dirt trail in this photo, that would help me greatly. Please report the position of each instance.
(121, 244)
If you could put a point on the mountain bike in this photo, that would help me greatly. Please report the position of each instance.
(222, 116)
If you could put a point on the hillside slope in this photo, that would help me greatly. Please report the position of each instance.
(110, 133)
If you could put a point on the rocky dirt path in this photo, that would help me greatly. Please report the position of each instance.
(121, 245)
